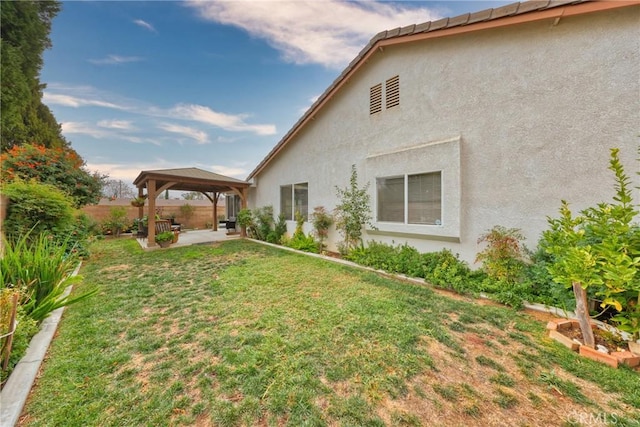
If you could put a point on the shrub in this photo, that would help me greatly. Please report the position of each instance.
(280, 229)
(187, 211)
(353, 212)
(61, 168)
(300, 241)
(36, 208)
(263, 223)
(376, 255)
(117, 220)
(321, 221)
(504, 256)
(446, 270)
(245, 220)
(504, 260)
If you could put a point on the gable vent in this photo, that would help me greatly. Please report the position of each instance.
(392, 90)
(375, 99)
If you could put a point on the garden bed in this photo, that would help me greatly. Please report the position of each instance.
(609, 348)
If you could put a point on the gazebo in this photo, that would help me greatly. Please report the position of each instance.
(212, 185)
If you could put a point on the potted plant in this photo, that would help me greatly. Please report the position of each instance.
(164, 239)
(138, 201)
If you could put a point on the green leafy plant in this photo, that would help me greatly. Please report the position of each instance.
(321, 221)
(599, 250)
(138, 201)
(279, 229)
(264, 223)
(187, 212)
(301, 241)
(245, 220)
(504, 256)
(117, 220)
(353, 212)
(41, 269)
(165, 236)
(36, 208)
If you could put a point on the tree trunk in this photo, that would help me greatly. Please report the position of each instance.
(582, 313)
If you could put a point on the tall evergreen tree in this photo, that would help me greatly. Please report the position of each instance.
(25, 30)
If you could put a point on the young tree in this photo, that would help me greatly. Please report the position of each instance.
(599, 250)
(353, 212)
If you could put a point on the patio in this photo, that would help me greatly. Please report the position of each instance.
(195, 237)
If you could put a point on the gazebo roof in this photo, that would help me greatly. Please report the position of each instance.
(190, 179)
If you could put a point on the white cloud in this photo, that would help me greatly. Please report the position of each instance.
(100, 132)
(200, 136)
(116, 124)
(115, 60)
(224, 121)
(83, 96)
(84, 129)
(145, 25)
(328, 32)
(233, 172)
(73, 101)
(117, 171)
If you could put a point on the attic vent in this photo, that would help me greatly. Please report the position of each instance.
(375, 99)
(392, 89)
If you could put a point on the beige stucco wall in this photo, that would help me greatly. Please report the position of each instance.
(527, 115)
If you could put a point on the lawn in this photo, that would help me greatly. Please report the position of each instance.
(245, 334)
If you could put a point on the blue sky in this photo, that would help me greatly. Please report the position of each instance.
(209, 84)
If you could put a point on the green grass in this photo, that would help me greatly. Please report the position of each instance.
(245, 334)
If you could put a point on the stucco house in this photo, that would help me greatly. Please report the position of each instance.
(457, 125)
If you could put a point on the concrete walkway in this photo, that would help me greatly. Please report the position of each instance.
(195, 237)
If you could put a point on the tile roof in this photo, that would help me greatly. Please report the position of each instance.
(413, 31)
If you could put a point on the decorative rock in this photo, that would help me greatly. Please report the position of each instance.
(602, 349)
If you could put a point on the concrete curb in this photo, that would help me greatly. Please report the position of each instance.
(16, 390)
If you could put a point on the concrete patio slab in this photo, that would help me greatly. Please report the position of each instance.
(195, 237)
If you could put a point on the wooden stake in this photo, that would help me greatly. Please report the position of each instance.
(12, 329)
(582, 313)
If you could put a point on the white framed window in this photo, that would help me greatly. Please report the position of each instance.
(294, 198)
(410, 199)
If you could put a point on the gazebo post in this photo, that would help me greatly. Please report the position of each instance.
(151, 232)
(243, 205)
(140, 209)
(215, 210)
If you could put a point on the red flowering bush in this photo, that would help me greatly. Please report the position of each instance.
(62, 168)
